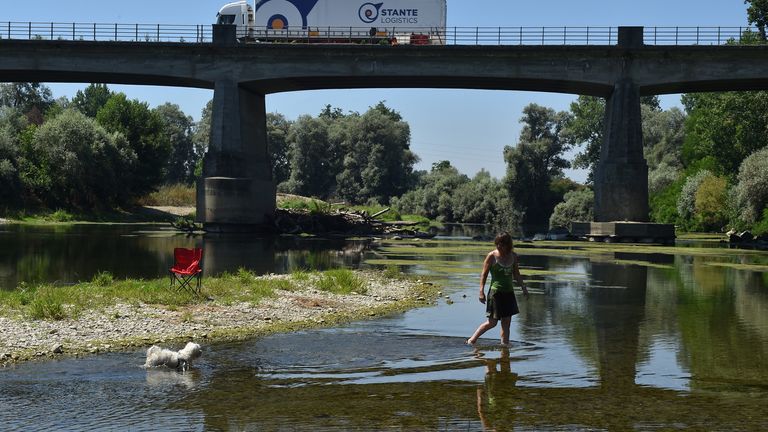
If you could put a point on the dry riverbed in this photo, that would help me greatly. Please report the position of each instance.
(124, 326)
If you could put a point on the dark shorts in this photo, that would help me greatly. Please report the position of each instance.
(501, 305)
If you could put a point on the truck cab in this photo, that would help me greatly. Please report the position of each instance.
(239, 14)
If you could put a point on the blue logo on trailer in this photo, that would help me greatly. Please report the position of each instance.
(304, 7)
(369, 12)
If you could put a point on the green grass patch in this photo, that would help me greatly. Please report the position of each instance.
(341, 281)
(176, 195)
(50, 302)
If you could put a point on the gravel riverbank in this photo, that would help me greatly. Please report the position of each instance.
(124, 326)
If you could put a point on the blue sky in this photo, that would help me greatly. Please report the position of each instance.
(467, 127)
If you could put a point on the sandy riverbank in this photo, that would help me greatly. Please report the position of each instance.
(126, 326)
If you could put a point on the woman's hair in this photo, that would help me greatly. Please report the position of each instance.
(503, 238)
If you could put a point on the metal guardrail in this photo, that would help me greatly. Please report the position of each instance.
(695, 35)
(103, 32)
(449, 36)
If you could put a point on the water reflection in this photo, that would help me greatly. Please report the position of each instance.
(66, 254)
(627, 340)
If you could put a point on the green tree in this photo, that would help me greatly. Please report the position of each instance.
(12, 122)
(722, 129)
(144, 130)
(74, 162)
(92, 99)
(177, 128)
(536, 162)
(757, 14)
(278, 129)
(378, 163)
(710, 199)
(752, 186)
(584, 127)
(577, 206)
(314, 159)
(433, 197)
(201, 136)
(485, 200)
(32, 99)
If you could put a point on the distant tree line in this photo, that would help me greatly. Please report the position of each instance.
(98, 151)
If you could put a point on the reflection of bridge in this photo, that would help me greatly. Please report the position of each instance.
(238, 189)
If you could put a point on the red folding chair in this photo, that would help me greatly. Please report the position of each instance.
(187, 266)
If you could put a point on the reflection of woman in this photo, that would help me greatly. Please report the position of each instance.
(498, 387)
(501, 304)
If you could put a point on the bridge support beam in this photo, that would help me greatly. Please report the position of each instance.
(621, 177)
(237, 192)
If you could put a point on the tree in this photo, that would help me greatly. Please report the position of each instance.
(12, 122)
(722, 129)
(32, 99)
(278, 129)
(92, 99)
(710, 199)
(757, 14)
(378, 163)
(74, 162)
(577, 206)
(201, 136)
(177, 128)
(434, 196)
(535, 162)
(144, 130)
(752, 186)
(585, 127)
(686, 202)
(314, 159)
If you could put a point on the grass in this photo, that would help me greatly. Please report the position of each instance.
(50, 302)
(177, 195)
(341, 281)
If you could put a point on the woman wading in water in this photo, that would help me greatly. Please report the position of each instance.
(501, 304)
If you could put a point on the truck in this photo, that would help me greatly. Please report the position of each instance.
(419, 22)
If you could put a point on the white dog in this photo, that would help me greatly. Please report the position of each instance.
(157, 356)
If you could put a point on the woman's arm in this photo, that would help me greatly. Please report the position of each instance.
(484, 275)
(518, 276)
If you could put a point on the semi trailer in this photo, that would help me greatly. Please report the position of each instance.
(338, 21)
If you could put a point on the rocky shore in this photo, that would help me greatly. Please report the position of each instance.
(124, 326)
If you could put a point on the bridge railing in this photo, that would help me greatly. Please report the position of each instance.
(107, 32)
(697, 35)
(447, 36)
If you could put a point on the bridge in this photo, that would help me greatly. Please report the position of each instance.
(237, 191)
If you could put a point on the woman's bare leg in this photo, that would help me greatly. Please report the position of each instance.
(484, 327)
(505, 322)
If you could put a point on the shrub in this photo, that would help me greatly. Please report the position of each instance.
(710, 203)
(686, 202)
(752, 186)
(577, 206)
(103, 279)
(171, 195)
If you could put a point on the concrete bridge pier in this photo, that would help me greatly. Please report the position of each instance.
(621, 177)
(237, 192)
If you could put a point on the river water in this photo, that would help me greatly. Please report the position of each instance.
(613, 337)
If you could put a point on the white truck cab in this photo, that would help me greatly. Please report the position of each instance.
(238, 13)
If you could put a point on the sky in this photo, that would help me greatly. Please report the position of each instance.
(469, 128)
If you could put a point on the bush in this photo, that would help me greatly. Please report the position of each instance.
(180, 195)
(577, 206)
(752, 186)
(686, 202)
(710, 203)
(661, 178)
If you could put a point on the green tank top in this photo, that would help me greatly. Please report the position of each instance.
(502, 277)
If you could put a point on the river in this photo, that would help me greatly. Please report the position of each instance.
(612, 337)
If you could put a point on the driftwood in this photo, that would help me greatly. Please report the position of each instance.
(342, 223)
